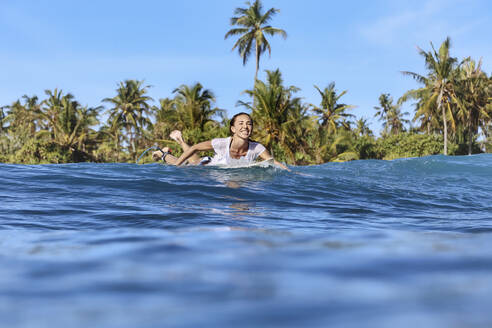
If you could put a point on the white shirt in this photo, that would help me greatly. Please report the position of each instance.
(223, 155)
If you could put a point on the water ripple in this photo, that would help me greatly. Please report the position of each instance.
(125, 245)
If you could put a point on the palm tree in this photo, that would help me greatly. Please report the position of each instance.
(33, 107)
(130, 107)
(252, 30)
(272, 110)
(281, 120)
(440, 83)
(390, 114)
(51, 107)
(332, 114)
(23, 120)
(67, 122)
(425, 110)
(166, 119)
(109, 139)
(362, 129)
(474, 89)
(298, 131)
(194, 107)
(166, 111)
(341, 149)
(386, 102)
(396, 120)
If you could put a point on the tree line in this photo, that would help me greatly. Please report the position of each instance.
(452, 114)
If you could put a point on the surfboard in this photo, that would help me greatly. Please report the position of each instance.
(266, 163)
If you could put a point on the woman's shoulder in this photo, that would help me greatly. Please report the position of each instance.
(220, 142)
(256, 146)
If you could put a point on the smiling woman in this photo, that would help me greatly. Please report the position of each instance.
(236, 149)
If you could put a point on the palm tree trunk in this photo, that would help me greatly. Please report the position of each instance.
(469, 139)
(118, 148)
(445, 130)
(132, 143)
(131, 146)
(256, 71)
(257, 61)
(440, 106)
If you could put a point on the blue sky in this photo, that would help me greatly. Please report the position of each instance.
(87, 47)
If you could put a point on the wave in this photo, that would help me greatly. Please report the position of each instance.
(126, 245)
(435, 192)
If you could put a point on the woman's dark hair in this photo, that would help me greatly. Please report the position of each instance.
(233, 120)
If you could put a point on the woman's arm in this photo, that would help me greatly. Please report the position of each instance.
(206, 145)
(265, 155)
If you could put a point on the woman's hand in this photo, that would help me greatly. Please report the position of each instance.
(265, 155)
(157, 155)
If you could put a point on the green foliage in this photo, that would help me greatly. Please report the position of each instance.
(193, 112)
(453, 108)
(391, 115)
(473, 90)
(129, 112)
(332, 114)
(36, 151)
(66, 122)
(408, 145)
(438, 93)
(281, 120)
(366, 147)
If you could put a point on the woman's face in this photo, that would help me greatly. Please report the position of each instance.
(243, 127)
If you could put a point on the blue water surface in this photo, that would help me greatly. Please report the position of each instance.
(399, 243)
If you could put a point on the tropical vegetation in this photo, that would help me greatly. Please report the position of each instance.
(252, 31)
(452, 114)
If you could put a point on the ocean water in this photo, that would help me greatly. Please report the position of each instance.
(399, 243)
